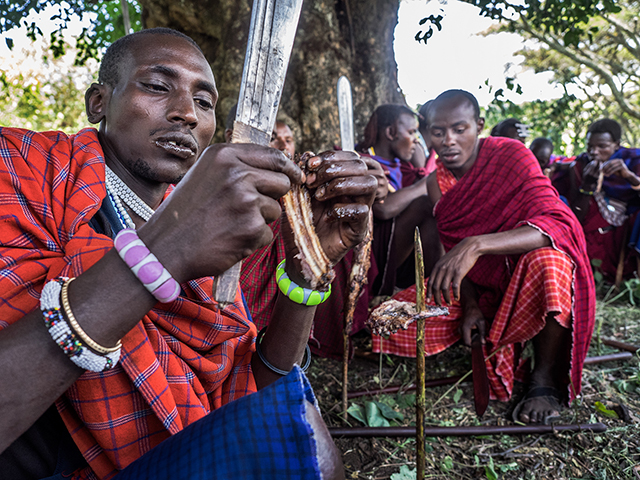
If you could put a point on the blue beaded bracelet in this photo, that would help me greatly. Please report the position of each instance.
(296, 293)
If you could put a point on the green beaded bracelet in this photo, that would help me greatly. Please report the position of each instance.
(296, 293)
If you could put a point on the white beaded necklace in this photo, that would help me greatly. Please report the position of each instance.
(120, 192)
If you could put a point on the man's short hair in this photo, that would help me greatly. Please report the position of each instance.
(459, 93)
(606, 125)
(541, 142)
(382, 117)
(422, 114)
(110, 66)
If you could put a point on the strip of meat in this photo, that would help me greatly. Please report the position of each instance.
(393, 315)
(358, 274)
(317, 269)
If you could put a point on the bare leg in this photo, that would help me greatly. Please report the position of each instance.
(329, 458)
(551, 349)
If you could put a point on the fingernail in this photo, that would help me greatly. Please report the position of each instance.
(314, 162)
(320, 192)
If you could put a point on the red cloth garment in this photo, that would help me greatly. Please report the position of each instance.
(258, 282)
(181, 361)
(505, 189)
(540, 285)
(605, 241)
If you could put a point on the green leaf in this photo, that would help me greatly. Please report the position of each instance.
(457, 396)
(489, 471)
(405, 473)
(600, 408)
(357, 412)
(374, 416)
(388, 412)
(447, 464)
(596, 262)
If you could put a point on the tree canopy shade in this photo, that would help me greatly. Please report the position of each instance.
(603, 65)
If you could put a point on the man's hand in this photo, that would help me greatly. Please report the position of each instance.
(472, 319)
(220, 211)
(450, 270)
(619, 168)
(342, 191)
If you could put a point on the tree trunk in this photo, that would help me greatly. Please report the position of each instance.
(334, 38)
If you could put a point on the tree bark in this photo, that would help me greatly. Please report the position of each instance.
(334, 38)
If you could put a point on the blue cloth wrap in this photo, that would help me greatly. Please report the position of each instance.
(264, 435)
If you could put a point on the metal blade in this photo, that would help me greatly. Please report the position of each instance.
(271, 35)
(480, 379)
(345, 111)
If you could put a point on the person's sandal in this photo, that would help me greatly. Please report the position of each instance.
(550, 394)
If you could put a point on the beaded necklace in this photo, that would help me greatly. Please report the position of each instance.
(120, 193)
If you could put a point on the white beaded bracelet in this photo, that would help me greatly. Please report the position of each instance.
(62, 334)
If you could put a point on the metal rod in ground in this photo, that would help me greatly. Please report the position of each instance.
(620, 345)
(345, 373)
(436, 382)
(420, 397)
(465, 431)
(608, 358)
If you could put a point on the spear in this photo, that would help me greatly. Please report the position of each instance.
(420, 397)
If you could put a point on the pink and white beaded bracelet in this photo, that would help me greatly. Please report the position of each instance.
(146, 266)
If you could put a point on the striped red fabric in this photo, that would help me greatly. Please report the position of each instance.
(181, 361)
(505, 189)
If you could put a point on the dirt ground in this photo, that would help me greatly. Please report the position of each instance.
(610, 391)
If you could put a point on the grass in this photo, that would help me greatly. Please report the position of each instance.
(607, 388)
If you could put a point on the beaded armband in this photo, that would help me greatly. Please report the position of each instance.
(65, 337)
(296, 293)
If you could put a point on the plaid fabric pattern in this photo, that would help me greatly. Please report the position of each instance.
(505, 189)
(261, 436)
(181, 361)
(540, 285)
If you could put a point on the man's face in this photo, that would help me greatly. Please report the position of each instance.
(404, 143)
(453, 132)
(543, 154)
(282, 139)
(601, 146)
(160, 116)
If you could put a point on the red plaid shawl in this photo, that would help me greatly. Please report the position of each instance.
(180, 362)
(505, 189)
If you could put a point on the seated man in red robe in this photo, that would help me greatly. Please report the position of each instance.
(515, 269)
(608, 213)
(116, 360)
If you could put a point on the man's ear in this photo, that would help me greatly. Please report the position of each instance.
(96, 99)
(228, 135)
(390, 133)
(480, 124)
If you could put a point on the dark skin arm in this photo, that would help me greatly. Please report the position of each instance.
(216, 216)
(396, 202)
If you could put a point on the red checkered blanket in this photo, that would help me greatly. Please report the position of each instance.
(181, 361)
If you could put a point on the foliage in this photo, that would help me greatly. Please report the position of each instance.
(107, 24)
(601, 69)
(43, 95)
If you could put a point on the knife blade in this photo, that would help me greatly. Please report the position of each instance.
(271, 35)
(480, 378)
(345, 111)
